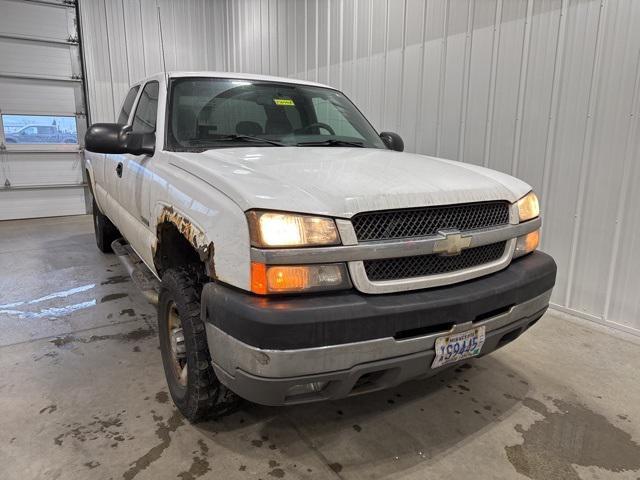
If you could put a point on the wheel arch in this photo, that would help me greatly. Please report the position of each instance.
(180, 242)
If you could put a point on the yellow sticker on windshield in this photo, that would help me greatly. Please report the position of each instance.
(285, 102)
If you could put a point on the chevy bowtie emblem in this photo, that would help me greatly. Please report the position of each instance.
(452, 244)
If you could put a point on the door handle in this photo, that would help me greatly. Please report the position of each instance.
(119, 170)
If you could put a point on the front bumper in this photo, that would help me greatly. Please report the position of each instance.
(264, 349)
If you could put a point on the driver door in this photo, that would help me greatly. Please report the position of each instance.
(105, 167)
(133, 184)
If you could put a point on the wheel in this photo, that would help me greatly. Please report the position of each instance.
(193, 385)
(106, 232)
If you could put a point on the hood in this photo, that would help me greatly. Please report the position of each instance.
(341, 182)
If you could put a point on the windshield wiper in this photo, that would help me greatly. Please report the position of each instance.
(234, 137)
(332, 142)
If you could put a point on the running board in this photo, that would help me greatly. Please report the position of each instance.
(143, 278)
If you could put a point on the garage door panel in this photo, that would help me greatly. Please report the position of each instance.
(35, 20)
(48, 202)
(38, 96)
(29, 169)
(35, 58)
(43, 111)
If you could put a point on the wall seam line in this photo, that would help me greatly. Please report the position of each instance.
(585, 160)
(464, 106)
(522, 88)
(419, 116)
(495, 52)
(554, 108)
(442, 79)
(398, 119)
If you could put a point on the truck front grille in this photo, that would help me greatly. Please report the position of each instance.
(425, 221)
(424, 265)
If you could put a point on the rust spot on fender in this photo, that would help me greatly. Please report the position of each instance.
(193, 234)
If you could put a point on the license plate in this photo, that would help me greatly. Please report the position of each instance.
(458, 346)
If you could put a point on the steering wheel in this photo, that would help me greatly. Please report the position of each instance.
(316, 125)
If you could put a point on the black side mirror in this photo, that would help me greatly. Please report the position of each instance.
(393, 141)
(114, 138)
(141, 143)
(105, 138)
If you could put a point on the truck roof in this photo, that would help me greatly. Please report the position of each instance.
(235, 75)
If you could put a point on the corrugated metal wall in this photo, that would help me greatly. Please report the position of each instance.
(547, 90)
(121, 40)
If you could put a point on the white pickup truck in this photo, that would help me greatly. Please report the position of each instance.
(298, 254)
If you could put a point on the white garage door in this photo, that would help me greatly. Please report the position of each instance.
(42, 110)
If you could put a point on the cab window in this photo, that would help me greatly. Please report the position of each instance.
(123, 118)
(144, 120)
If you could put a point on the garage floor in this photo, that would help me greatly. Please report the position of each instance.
(82, 394)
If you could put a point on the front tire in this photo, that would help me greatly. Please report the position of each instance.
(193, 385)
(106, 232)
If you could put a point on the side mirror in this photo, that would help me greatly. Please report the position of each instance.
(141, 143)
(114, 138)
(393, 141)
(105, 138)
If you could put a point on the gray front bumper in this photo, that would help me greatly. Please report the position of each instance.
(271, 377)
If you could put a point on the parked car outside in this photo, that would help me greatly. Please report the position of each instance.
(40, 134)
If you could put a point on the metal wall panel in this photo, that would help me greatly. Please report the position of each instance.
(121, 41)
(547, 90)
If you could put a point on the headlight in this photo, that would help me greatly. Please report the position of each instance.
(298, 278)
(527, 243)
(528, 207)
(278, 229)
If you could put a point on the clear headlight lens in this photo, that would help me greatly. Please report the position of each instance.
(528, 207)
(267, 279)
(279, 229)
(527, 243)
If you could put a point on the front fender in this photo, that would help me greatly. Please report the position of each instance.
(219, 235)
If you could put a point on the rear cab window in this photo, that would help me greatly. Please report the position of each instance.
(123, 118)
(144, 120)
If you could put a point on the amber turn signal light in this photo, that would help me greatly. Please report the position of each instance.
(527, 243)
(258, 278)
(267, 279)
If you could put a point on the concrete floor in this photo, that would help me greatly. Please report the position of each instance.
(82, 394)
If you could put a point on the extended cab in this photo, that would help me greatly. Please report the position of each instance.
(298, 255)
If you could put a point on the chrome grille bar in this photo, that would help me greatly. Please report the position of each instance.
(385, 249)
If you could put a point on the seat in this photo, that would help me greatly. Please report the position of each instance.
(247, 127)
(278, 126)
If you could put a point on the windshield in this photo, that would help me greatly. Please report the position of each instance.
(209, 113)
